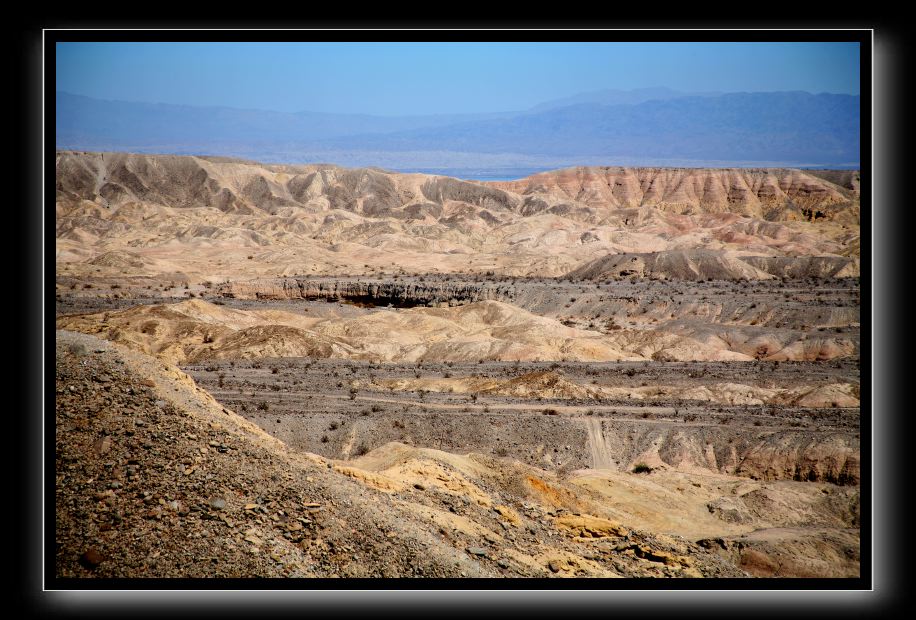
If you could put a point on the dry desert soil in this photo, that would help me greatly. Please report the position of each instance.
(311, 371)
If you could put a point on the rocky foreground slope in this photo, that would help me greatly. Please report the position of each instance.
(155, 478)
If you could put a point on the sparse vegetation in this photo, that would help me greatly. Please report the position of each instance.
(318, 414)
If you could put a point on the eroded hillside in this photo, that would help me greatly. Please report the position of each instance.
(212, 218)
(309, 370)
(154, 478)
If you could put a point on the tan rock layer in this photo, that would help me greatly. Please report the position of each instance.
(149, 214)
(764, 193)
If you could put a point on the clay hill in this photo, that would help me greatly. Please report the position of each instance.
(196, 330)
(315, 371)
(216, 218)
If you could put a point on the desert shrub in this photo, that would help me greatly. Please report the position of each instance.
(263, 406)
(361, 449)
(642, 468)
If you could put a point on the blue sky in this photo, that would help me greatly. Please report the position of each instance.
(393, 79)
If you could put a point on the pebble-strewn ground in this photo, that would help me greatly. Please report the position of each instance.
(154, 479)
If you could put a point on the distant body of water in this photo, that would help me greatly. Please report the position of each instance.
(513, 174)
(480, 174)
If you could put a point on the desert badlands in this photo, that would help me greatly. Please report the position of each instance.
(313, 371)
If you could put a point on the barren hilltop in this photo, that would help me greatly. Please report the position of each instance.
(277, 370)
(159, 214)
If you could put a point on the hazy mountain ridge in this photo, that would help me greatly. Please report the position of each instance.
(615, 96)
(121, 122)
(740, 126)
(795, 128)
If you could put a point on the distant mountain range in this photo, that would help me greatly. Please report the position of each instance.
(618, 97)
(645, 127)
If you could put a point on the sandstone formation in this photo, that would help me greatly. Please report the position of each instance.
(590, 372)
(768, 194)
(489, 330)
(223, 219)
